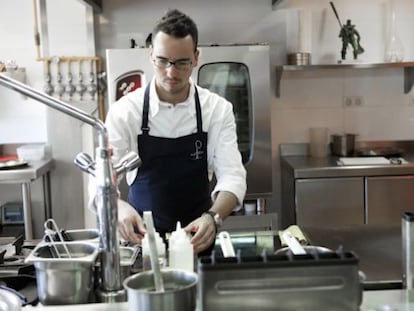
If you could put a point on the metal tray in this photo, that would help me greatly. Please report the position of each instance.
(12, 164)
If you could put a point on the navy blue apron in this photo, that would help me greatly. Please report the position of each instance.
(172, 181)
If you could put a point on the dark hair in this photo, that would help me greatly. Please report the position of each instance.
(178, 25)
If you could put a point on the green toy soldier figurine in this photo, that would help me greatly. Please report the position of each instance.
(350, 36)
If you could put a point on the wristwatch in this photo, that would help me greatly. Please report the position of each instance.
(216, 217)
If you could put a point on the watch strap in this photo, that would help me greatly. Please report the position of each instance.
(216, 218)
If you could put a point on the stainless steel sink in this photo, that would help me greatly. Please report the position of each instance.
(73, 277)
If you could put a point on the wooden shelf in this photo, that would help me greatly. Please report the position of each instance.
(407, 66)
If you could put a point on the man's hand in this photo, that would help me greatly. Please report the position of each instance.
(205, 232)
(128, 220)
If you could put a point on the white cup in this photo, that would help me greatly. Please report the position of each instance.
(250, 208)
(319, 141)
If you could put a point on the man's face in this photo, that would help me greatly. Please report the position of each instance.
(171, 78)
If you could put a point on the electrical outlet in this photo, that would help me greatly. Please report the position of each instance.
(347, 101)
(353, 101)
(358, 101)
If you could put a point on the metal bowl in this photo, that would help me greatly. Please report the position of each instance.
(180, 291)
(9, 301)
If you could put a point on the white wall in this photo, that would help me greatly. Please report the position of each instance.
(16, 31)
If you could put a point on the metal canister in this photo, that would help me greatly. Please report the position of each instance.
(343, 144)
(299, 58)
(407, 228)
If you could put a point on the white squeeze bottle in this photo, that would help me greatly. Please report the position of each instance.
(146, 258)
(181, 253)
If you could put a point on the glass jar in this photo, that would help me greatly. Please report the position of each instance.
(394, 49)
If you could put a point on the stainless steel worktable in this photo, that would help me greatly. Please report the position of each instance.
(378, 247)
(25, 176)
(371, 301)
(308, 167)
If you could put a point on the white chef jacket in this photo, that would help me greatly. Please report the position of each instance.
(124, 121)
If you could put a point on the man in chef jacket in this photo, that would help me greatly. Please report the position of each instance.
(183, 134)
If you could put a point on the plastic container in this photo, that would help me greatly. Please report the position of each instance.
(161, 251)
(181, 252)
(319, 141)
(32, 152)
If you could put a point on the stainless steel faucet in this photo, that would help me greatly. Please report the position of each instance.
(106, 187)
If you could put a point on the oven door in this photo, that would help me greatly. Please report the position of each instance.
(241, 74)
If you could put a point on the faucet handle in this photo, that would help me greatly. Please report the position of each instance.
(127, 163)
(85, 163)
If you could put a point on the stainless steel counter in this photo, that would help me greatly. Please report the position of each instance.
(357, 239)
(296, 157)
(25, 176)
(384, 300)
(379, 249)
(308, 167)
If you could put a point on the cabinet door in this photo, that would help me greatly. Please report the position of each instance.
(325, 202)
(387, 198)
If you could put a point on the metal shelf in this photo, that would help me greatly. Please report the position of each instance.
(408, 71)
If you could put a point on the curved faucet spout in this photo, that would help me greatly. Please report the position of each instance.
(106, 185)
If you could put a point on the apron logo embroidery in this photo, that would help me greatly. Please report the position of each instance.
(198, 152)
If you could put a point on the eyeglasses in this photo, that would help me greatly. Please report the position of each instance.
(180, 64)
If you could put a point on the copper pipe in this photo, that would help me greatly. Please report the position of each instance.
(71, 58)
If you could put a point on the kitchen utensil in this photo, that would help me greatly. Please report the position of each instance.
(64, 280)
(159, 284)
(59, 88)
(70, 88)
(50, 233)
(23, 285)
(92, 86)
(226, 244)
(299, 59)
(12, 164)
(48, 87)
(309, 249)
(9, 301)
(388, 152)
(343, 144)
(180, 291)
(319, 141)
(80, 88)
(293, 244)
